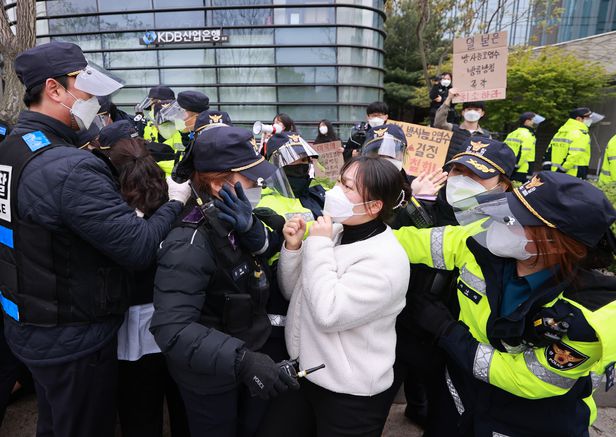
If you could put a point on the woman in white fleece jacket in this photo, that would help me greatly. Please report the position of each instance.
(347, 283)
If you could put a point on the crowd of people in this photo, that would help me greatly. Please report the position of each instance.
(168, 258)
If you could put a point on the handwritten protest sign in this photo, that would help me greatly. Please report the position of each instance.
(426, 147)
(480, 67)
(330, 160)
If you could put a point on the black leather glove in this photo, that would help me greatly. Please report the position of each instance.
(262, 376)
(235, 209)
(431, 316)
(548, 325)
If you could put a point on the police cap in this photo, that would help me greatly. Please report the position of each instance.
(391, 129)
(580, 112)
(486, 157)
(526, 116)
(111, 134)
(233, 149)
(298, 148)
(212, 117)
(193, 101)
(35, 65)
(161, 92)
(564, 202)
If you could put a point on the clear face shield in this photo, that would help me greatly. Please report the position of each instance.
(277, 183)
(388, 147)
(102, 120)
(595, 118)
(97, 81)
(172, 112)
(291, 152)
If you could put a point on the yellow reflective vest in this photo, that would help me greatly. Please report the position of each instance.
(150, 133)
(570, 147)
(522, 141)
(608, 167)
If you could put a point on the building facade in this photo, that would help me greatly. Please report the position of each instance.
(311, 59)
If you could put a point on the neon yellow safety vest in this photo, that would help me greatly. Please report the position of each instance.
(525, 374)
(150, 133)
(570, 147)
(522, 141)
(608, 168)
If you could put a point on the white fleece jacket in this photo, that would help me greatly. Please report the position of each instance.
(344, 303)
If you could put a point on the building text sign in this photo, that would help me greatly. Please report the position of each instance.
(189, 36)
(480, 67)
(426, 147)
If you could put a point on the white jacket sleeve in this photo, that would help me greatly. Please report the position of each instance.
(362, 294)
(289, 270)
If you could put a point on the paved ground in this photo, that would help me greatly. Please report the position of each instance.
(20, 420)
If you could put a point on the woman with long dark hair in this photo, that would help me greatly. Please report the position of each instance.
(327, 133)
(143, 379)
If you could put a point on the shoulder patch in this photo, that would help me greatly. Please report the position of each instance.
(562, 357)
(36, 140)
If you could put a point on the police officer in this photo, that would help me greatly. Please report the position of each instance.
(536, 332)
(569, 150)
(66, 238)
(212, 117)
(193, 103)
(212, 288)
(523, 141)
(608, 167)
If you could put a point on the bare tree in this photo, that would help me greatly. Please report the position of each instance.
(14, 40)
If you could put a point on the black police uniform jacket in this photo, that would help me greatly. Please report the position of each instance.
(208, 301)
(86, 237)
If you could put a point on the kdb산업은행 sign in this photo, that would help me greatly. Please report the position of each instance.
(192, 36)
(480, 67)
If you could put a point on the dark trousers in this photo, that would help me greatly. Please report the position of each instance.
(9, 372)
(229, 414)
(143, 386)
(78, 398)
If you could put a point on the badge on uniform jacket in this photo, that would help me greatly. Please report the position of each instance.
(36, 140)
(563, 357)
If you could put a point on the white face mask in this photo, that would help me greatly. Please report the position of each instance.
(376, 122)
(338, 205)
(587, 122)
(83, 111)
(503, 242)
(445, 82)
(462, 187)
(323, 130)
(180, 125)
(167, 129)
(472, 115)
(253, 195)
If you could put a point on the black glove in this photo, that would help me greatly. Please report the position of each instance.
(548, 325)
(262, 376)
(431, 316)
(235, 210)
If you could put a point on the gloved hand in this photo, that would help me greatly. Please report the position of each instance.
(180, 192)
(549, 325)
(235, 210)
(432, 316)
(262, 376)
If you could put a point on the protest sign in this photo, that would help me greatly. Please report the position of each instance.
(480, 67)
(426, 147)
(330, 160)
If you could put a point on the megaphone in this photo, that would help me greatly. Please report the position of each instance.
(259, 128)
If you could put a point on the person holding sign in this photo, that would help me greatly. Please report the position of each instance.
(472, 112)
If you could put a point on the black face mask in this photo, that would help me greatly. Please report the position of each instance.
(298, 178)
(297, 170)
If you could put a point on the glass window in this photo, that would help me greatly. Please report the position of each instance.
(352, 114)
(244, 56)
(240, 37)
(248, 94)
(250, 113)
(122, 40)
(306, 74)
(183, 58)
(73, 25)
(143, 78)
(127, 21)
(310, 112)
(86, 42)
(130, 59)
(359, 17)
(356, 94)
(188, 76)
(315, 35)
(129, 96)
(352, 55)
(180, 20)
(377, 4)
(307, 94)
(304, 16)
(241, 16)
(307, 55)
(97, 58)
(246, 75)
(65, 7)
(360, 37)
(42, 27)
(123, 5)
(359, 75)
(166, 4)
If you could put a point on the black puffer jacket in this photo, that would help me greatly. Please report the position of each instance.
(72, 191)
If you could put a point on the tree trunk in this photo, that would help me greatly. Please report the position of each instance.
(424, 17)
